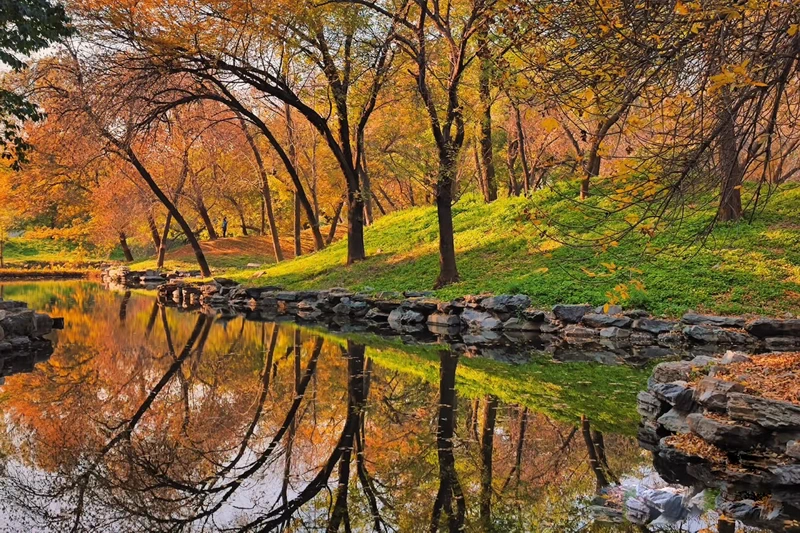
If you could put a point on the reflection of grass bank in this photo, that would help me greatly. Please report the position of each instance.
(510, 247)
(563, 391)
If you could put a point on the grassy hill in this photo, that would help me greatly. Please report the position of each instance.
(740, 268)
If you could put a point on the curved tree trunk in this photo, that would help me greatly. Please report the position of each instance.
(187, 230)
(151, 223)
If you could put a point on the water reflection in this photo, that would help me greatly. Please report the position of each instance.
(149, 419)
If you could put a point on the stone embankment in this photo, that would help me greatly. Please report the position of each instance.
(22, 332)
(725, 423)
(605, 334)
(122, 277)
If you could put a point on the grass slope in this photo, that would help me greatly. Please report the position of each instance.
(741, 268)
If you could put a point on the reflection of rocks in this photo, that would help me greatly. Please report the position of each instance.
(22, 332)
(569, 332)
(709, 432)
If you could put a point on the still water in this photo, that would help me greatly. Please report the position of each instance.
(147, 418)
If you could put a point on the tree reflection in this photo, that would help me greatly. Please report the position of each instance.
(182, 422)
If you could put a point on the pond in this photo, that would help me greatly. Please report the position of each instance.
(148, 418)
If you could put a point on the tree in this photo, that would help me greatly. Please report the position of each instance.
(28, 26)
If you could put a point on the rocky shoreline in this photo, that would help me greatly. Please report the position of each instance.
(708, 428)
(607, 334)
(122, 277)
(22, 337)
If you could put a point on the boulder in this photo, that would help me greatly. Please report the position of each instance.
(692, 318)
(785, 474)
(674, 421)
(713, 393)
(773, 327)
(18, 322)
(377, 315)
(405, 316)
(724, 435)
(655, 327)
(42, 325)
(225, 282)
(421, 305)
(534, 315)
(570, 314)
(610, 310)
(595, 320)
(781, 343)
(671, 339)
(287, 296)
(641, 338)
(731, 357)
(575, 332)
(769, 414)
(417, 294)
(677, 393)
(506, 303)
(479, 320)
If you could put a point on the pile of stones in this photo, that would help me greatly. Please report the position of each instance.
(745, 445)
(22, 337)
(573, 332)
(122, 277)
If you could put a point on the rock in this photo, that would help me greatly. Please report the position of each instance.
(225, 282)
(731, 357)
(549, 328)
(342, 308)
(611, 310)
(388, 295)
(377, 315)
(594, 320)
(42, 325)
(785, 474)
(506, 303)
(648, 406)
(672, 371)
(421, 305)
(405, 316)
(773, 327)
(453, 307)
(615, 333)
(653, 326)
(417, 294)
(678, 394)
(781, 343)
(442, 319)
(793, 449)
(671, 339)
(19, 343)
(521, 324)
(674, 421)
(636, 313)
(287, 296)
(769, 414)
(702, 361)
(724, 435)
(713, 393)
(576, 332)
(693, 318)
(386, 306)
(2, 333)
(714, 335)
(18, 323)
(640, 338)
(478, 320)
(741, 510)
(649, 352)
(570, 314)
(534, 315)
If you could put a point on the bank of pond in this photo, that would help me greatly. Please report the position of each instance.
(147, 417)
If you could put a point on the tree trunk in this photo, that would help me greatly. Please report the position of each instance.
(126, 250)
(511, 162)
(487, 446)
(591, 170)
(239, 211)
(731, 172)
(523, 154)
(202, 210)
(448, 273)
(366, 186)
(484, 92)
(298, 243)
(266, 195)
(355, 227)
(162, 248)
(335, 223)
(151, 223)
(2, 254)
(148, 178)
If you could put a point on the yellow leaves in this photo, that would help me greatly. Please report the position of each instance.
(588, 272)
(611, 267)
(549, 124)
(542, 270)
(681, 9)
(735, 76)
(792, 31)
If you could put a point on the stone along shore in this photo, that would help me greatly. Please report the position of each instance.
(732, 424)
(22, 337)
(605, 334)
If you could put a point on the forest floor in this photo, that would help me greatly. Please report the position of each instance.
(746, 267)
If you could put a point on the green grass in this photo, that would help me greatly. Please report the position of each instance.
(48, 254)
(503, 248)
